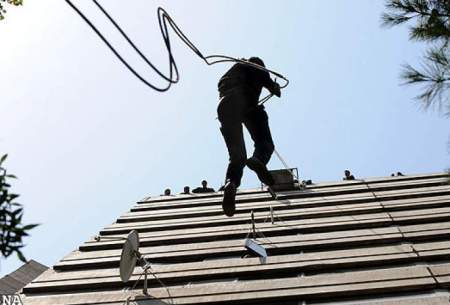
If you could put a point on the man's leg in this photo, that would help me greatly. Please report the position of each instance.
(231, 128)
(234, 139)
(257, 124)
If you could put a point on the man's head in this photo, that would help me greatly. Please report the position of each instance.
(347, 173)
(256, 60)
(204, 183)
(167, 192)
(186, 190)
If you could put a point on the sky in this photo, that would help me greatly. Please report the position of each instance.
(87, 139)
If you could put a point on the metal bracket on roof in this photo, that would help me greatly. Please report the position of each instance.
(273, 216)
(251, 244)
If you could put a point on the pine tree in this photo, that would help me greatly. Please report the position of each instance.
(12, 2)
(429, 22)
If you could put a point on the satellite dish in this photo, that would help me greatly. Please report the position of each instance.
(129, 256)
(128, 259)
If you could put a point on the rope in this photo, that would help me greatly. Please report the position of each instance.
(164, 20)
(286, 166)
(256, 232)
(281, 159)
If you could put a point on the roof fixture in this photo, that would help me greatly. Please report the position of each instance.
(130, 257)
(285, 179)
(252, 244)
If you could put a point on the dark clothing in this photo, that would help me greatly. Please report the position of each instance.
(248, 80)
(233, 110)
(239, 91)
(201, 189)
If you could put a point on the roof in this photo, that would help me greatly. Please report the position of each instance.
(15, 281)
(379, 241)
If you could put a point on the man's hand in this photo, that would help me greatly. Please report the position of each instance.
(276, 89)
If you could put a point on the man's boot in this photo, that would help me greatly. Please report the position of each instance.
(261, 170)
(229, 198)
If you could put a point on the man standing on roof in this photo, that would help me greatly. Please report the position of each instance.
(204, 188)
(239, 90)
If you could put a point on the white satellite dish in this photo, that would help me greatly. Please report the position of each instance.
(130, 255)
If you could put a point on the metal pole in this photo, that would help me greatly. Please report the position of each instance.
(253, 224)
(271, 215)
(145, 281)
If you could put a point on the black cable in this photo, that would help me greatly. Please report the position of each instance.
(164, 19)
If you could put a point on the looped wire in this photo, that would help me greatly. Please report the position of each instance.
(164, 20)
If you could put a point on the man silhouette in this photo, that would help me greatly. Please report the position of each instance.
(186, 190)
(239, 91)
(204, 188)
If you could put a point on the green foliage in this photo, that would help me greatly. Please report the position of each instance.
(429, 21)
(12, 2)
(11, 228)
(434, 76)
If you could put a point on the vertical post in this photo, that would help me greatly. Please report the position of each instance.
(271, 215)
(145, 281)
(252, 215)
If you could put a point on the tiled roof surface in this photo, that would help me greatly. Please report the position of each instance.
(15, 281)
(381, 241)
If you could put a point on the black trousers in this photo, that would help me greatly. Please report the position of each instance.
(233, 111)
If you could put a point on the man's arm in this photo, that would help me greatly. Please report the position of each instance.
(275, 88)
(267, 82)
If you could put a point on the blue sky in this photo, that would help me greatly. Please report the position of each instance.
(87, 140)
